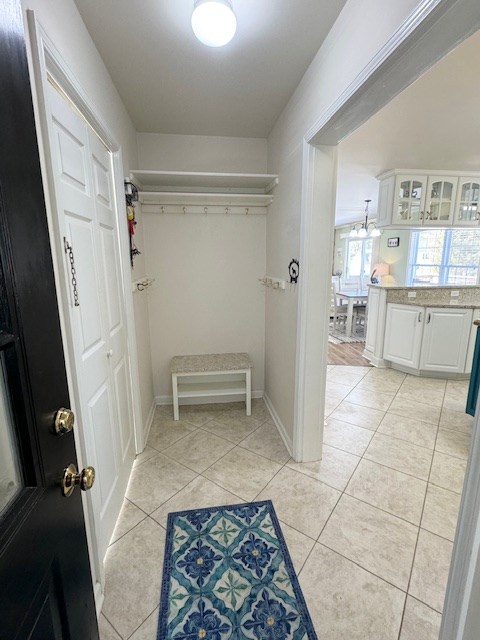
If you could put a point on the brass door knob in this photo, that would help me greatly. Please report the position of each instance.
(64, 421)
(71, 478)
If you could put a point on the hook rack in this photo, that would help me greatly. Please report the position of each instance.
(227, 210)
(274, 283)
(142, 284)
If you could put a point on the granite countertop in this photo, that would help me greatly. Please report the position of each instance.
(415, 303)
(210, 362)
(464, 298)
(423, 287)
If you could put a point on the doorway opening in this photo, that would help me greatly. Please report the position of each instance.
(401, 416)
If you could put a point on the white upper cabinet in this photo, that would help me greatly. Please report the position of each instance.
(409, 203)
(420, 199)
(440, 201)
(467, 211)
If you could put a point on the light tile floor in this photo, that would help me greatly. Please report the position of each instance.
(369, 528)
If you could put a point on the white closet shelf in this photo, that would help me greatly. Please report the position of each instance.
(165, 198)
(204, 182)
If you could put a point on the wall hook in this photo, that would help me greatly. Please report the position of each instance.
(226, 211)
(246, 211)
(184, 209)
(205, 210)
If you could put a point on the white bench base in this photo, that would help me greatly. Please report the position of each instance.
(220, 386)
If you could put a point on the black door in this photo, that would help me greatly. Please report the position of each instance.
(45, 581)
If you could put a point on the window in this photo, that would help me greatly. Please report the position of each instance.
(444, 256)
(359, 258)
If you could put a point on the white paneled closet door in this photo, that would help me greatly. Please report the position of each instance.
(87, 221)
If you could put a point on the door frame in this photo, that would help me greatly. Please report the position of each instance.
(48, 62)
(432, 30)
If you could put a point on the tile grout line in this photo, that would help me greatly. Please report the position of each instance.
(113, 627)
(135, 631)
(235, 445)
(357, 564)
(419, 527)
(424, 500)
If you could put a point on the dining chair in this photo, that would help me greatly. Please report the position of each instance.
(338, 312)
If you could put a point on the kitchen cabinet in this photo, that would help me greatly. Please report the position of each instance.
(467, 213)
(439, 201)
(403, 334)
(427, 198)
(401, 199)
(376, 315)
(427, 338)
(445, 339)
(409, 202)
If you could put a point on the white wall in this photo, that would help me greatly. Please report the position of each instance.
(396, 257)
(65, 28)
(172, 152)
(206, 297)
(343, 55)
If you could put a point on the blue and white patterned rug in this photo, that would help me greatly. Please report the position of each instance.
(228, 575)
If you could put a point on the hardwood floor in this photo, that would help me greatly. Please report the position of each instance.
(349, 354)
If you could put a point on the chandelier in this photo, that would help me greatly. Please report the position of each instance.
(365, 229)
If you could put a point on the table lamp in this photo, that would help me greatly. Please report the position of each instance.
(380, 269)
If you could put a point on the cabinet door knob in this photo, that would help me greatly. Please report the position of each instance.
(419, 316)
(429, 317)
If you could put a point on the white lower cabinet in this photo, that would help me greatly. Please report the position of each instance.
(428, 338)
(403, 334)
(445, 339)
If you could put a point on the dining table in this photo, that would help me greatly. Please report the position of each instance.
(352, 297)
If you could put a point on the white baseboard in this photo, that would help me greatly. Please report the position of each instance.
(148, 424)
(279, 424)
(165, 400)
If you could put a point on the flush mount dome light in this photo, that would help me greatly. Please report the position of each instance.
(214, 22)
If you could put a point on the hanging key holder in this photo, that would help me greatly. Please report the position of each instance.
(71, 258)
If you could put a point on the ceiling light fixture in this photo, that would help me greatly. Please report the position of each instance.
(365, 229)
(214, 22)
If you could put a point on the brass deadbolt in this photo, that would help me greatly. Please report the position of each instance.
(64, 421)
(71, 478)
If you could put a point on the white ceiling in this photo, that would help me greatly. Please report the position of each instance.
(171, 83)
(433, 124)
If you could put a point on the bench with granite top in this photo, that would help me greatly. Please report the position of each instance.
(189, 377)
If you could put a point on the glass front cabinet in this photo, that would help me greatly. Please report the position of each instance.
(440, 200)
(467, 212)
(409, 200)
(420, 199)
